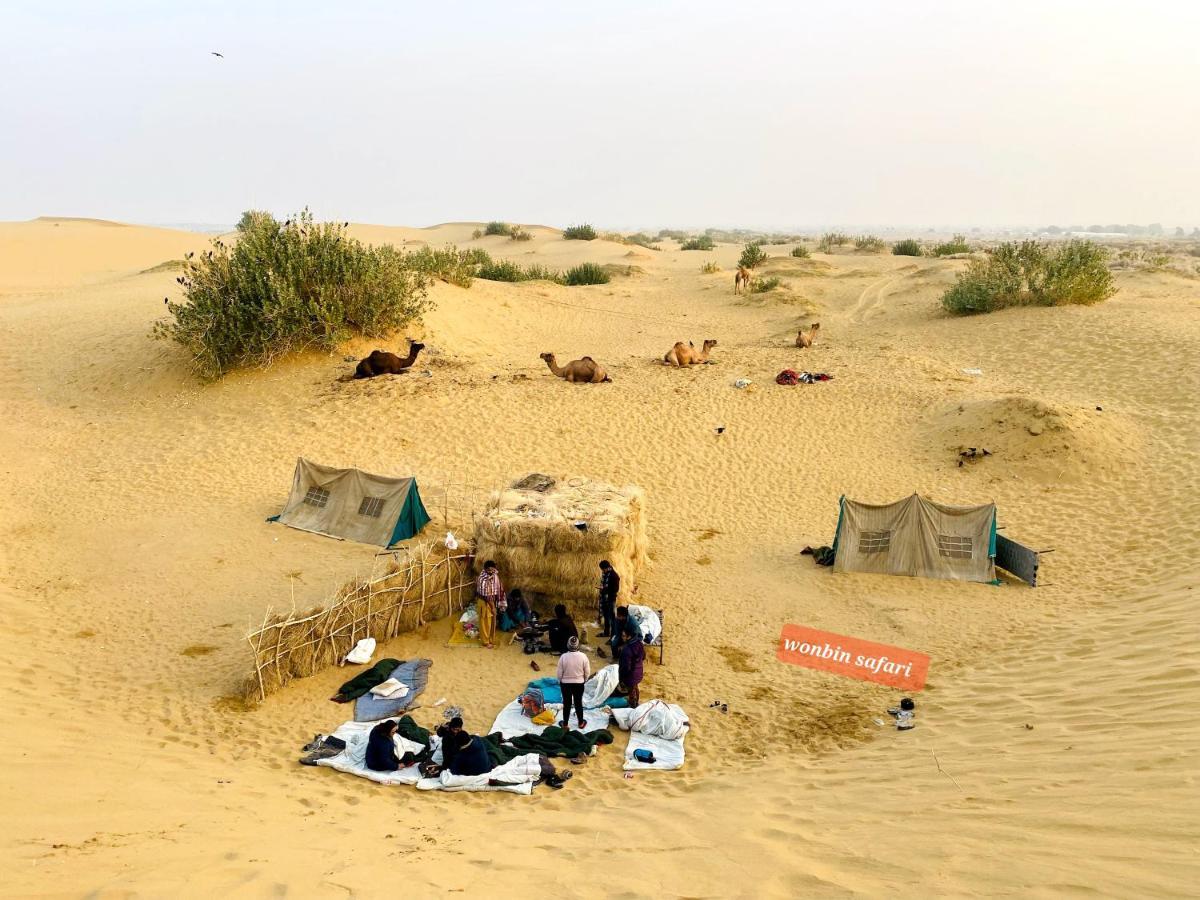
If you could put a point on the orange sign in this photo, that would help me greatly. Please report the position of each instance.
(842, 655)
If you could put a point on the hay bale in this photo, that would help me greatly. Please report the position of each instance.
(548, 536)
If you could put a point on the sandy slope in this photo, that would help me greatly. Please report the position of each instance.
(133, 530)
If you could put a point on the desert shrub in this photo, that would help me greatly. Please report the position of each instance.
(801, 252)
(672, 234)
(476, 234)
(870, 243)
(753, 255)
(906, 247)
(642, 240)
(832, 239)
(498, 228)
(710, 268)
(703, 242)
(762, 285)
(579, 233)
(447, 263)
(956, 244)
(285, 288)
(1032, 274)
(519, 234)
(504, 270)
(586, 273)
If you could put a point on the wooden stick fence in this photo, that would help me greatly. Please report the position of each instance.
(419, 584)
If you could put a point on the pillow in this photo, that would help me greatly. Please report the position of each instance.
(390, 689)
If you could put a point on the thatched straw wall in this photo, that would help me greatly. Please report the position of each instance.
(426, 582)
(531, 533)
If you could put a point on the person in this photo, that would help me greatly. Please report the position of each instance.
(573, 670)
(631, 665)
(472, 758)
(610, 586)
(489, 596)
(562, 629)
(622, 624)
(449, 734)
(517, 612)
(381, 748)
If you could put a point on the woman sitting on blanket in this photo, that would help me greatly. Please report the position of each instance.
(472, 758)
(381, 748)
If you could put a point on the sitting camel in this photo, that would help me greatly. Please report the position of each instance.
(579, 371)
(685, 354)
(380, 362)
(806, 340)
(741, 280)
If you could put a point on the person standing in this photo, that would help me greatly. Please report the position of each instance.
(573, 670)
(610, 586)
(489, 597)
(631, 664)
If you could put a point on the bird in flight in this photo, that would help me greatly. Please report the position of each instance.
(215, 53)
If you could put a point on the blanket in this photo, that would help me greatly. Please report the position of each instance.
(655, 726)
(414, 673)
(552, 692)
(553, 741)
(364, 681)
(517, 774)
(512, 723)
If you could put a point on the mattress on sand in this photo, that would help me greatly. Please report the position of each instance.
(353, 762)
(512, 722)
(655, 726)
(414, 673)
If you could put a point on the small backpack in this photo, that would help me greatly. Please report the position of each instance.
(532, 703)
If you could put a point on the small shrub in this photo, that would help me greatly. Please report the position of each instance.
(448, 263)
(500, 270)
(498, 228)
(476, 234)
(869, 243)
(762, 285)
(669, 234)
(586, 273)
(579, 233)
(642, 240)
(1032, 274)
(753, 255)
(703, 242)
(710, 268)
(906, 247)
(541, 273)
(801, 252)
(284, 288)
(519, 234)
(832, 239)
(956, 244)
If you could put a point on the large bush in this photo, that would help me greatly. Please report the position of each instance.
(498, 228)
(753, 255)
(832, 239)
(284, 288)
(1032, 274)
(586, 273)
(956, 244)
(703, 242)
(869, 243)
(906, 247)
(579, 233)
(801, 252)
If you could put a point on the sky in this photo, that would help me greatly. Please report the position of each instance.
(622, 114)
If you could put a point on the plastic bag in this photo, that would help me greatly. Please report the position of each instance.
(362, 652)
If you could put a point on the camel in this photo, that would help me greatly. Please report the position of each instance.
(685, 354)
(578, 371)
(380, 362)
(741, 280)
(806, 340)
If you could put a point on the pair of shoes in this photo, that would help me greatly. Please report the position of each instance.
(579, 760)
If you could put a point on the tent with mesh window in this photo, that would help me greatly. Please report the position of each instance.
(916, 536)
(353, 505)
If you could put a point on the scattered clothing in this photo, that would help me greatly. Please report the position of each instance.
(822, 556)
(790, 376)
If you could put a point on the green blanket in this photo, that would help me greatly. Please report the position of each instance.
(554, 741)
(364, 681)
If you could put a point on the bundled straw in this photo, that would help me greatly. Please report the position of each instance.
(533, 531)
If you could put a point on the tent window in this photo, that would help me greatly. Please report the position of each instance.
(953, 546)
(874, 542)
(317, 497)
(371, 506)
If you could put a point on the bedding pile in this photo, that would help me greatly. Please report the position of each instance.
(657, 727)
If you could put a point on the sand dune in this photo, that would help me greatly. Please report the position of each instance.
(1055, 741)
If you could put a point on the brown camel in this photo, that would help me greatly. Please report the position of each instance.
(806, 340)
(741, 280)
(380, 362)
(578, 371)
(685, 354)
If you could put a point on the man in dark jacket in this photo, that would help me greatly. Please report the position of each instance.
(561, 629)
(631, 663)
(610, 587)
(471, 756)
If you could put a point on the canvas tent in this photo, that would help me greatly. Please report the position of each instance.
(352, 504)
(916, 536)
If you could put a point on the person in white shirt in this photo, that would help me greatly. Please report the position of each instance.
(573, 670)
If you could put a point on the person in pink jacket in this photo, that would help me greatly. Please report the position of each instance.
(573, 670)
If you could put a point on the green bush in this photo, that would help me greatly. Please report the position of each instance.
(586, 273)
(869, 242)
(285, 288)
(906, 247)
(832, 239)
(956, 244)
(519, 234)
(642, 240)
(703, 242)
(476, 234)
(710, 267)
(579, 233)
(673, 235)
(753, 255)
(497, 228)
(801, 252)
(1032, 274)
(503, 270)
(762, 285)
(448, 263)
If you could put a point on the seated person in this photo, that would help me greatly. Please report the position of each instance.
(449, 735)
(518, 611)
(381, 748)
(562, 629)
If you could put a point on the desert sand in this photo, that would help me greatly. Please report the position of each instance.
(1056, 741)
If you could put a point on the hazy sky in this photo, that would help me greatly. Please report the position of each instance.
(619, 113)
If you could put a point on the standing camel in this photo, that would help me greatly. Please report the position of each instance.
(578, 371)
(741, 280)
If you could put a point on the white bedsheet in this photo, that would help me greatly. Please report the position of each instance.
(511, 722)
(648, 726)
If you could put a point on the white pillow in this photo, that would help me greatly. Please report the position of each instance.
(392, 688)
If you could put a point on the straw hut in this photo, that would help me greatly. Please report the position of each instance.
(548, 536)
